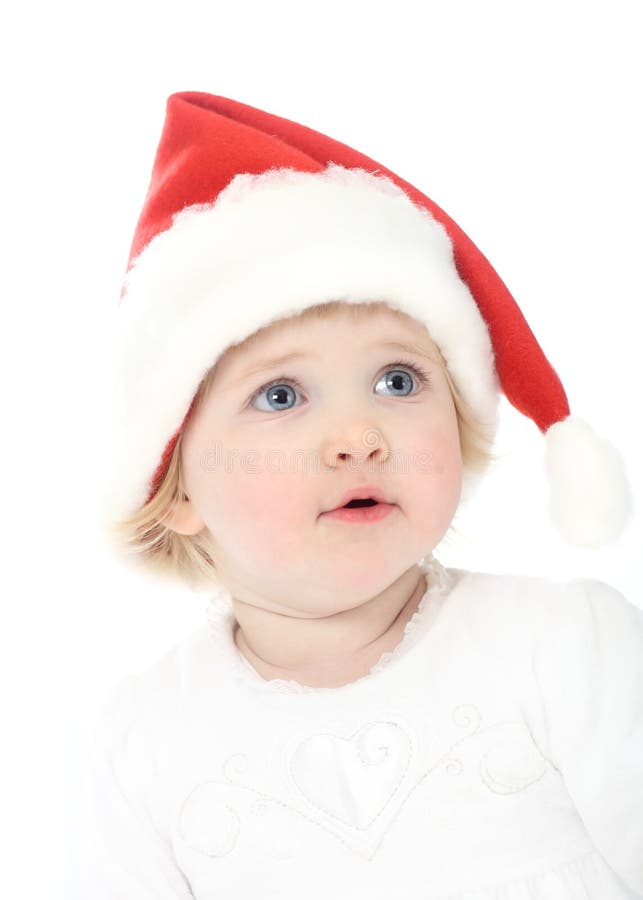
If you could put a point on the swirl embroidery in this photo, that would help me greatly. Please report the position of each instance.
(353, 786)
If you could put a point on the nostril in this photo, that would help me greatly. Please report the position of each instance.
(367, 502)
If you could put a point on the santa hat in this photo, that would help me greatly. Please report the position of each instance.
(249, 218)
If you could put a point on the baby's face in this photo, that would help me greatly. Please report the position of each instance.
(260, 473)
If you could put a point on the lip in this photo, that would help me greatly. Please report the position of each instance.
(361, 492)
(361, 515)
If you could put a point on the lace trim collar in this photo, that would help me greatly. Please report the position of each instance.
(221, 622)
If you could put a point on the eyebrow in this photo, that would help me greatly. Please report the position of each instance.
(268, 364)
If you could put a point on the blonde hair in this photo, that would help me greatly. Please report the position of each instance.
(145, 539)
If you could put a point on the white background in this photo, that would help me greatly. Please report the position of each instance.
(522, 120)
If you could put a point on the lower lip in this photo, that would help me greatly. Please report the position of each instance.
(361, 514)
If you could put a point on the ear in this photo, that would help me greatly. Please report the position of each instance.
(184, 519)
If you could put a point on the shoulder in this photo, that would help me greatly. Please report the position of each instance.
(504, 598)
(588, 657)
(594, 620)
(538, 606)
(157, 692)
(551, 595)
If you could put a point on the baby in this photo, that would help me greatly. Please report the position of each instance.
(309, 364)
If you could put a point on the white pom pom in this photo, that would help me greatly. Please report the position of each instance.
(589, 499)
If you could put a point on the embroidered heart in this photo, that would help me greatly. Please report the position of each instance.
(352, 779)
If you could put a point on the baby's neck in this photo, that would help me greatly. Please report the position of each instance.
(343, 669)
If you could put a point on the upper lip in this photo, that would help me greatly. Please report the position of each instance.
(363, 492)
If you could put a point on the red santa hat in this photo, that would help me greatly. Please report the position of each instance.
(250, 217)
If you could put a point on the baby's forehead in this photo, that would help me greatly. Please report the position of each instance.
(373, 322)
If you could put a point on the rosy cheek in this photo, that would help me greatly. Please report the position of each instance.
(267, 499)
(432, 454)
(447, 476)
(266, 517)
(289, 498)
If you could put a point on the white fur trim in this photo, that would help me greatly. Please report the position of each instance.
(269, 246)
(589, 494)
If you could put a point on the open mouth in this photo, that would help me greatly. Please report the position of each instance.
(361, 511)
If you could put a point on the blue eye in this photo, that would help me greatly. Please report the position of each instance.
(277, 392)
(393, 377)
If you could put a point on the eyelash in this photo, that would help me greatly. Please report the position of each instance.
(421, 375)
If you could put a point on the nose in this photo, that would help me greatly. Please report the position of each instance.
(359, 445)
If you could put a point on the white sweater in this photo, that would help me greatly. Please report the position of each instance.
(497, 752)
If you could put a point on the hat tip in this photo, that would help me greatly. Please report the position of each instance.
(589, 501)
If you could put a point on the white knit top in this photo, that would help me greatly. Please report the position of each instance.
(497, 752)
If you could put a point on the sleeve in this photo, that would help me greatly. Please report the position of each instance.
(589, 668)
(130, 860)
